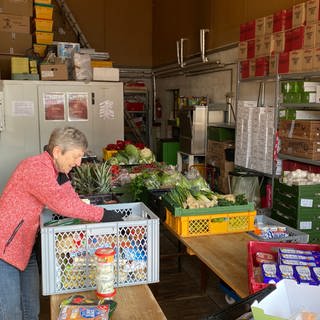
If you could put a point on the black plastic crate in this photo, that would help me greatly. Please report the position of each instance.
(241, 307)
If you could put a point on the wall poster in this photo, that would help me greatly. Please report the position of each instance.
(54, 105)
(78, 105)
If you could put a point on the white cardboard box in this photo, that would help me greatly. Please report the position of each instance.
(105, 74)
(287, 300)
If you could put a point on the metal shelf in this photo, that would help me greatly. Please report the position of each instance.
(260, 173)
(259, 79)
(298, 159)
(222, 125)
(300, 106)
(300, 76)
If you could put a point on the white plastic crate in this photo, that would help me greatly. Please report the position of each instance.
(68, 251)
(294, 235)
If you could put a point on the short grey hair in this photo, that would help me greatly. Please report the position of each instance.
(67, 138)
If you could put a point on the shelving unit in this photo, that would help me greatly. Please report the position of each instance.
(137, 115)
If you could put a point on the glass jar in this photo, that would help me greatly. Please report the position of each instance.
(105, 273)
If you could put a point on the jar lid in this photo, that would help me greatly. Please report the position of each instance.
(106, 295)
(104, 252)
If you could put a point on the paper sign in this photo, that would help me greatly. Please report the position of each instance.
(23, 108)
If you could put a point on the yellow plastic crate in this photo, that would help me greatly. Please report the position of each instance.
(40, 49)
(233, 222)
(107, 154)
(43, 37)
(43, 11)
(43, 25)
(42, 1)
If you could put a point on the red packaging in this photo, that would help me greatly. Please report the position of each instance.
(288, 22)
(244, 66)
(243, 32)
(251, 29)
(283, 62)
(297, 38)
(288, 40)
(251, 49)
(262, 67)
(279, 20)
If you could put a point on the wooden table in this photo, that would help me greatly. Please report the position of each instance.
(225, 254)
(134, 303)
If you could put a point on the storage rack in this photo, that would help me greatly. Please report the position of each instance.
(139, 131)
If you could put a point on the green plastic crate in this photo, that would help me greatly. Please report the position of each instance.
(179, 212)
(220, 134)
(292, 210)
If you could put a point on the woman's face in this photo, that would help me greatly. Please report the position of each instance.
(64, 162)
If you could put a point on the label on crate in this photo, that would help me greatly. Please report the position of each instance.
(305, 225)
(307, 203)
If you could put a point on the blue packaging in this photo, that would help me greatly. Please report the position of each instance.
(270, 273)
(304, 275)
(287, 272)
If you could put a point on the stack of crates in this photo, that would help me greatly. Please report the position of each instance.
(208, 221)
(298, 207)
(42, 26)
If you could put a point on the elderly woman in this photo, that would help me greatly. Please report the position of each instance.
(38, 181)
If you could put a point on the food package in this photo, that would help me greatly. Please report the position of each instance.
(84, 312)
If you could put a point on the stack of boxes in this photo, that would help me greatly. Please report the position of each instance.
(298, 207)
(220, 154)
(42, 26)
(14, 31)
(255, 137)
(292, 34)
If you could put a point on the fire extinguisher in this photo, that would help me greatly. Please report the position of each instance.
(158, 109)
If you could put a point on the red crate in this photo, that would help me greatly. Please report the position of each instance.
(268, 247)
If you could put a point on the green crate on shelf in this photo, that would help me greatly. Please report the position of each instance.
(314, 236)
(220, 133)
(291, 209)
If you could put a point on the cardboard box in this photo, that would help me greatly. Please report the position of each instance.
(268, 44)
(259, 47)
(317, 40)
(14, 23)
(301, 148)
(252, 68)
(316, 58)
(307, 59)
(300, 129)
(15, 43)
(260, 26)
(298, 15)
(268, 24)
(53, 72)
(243, 47)
(278, 42)
(18, 7)
(19, 65)
(295, 60)
(312, 11)
(243, 32)
(286, 301)
(272, 65)
(309, 40)
(105, 74)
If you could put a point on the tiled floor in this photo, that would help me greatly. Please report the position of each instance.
(178, 292)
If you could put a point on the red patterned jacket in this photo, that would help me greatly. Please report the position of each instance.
(32, 186)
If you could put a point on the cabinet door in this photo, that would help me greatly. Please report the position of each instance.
(20, 136)
(86, 107)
